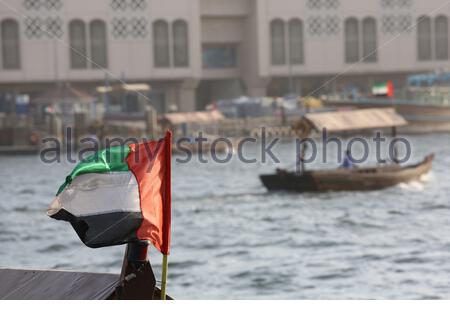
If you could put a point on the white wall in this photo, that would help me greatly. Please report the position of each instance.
(245, 22)
(45, 59)
(325, 54)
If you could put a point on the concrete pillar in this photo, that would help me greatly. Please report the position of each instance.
(54, 126)
(151, 122)
(252, 58)
(80, 124)
(257, 87)
(171, 97)
(187, 95)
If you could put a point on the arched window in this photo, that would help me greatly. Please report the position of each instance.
(161, 44)
(369, 33)
(78, 52)
(10, 42)
(99, 46)
(278, 43)
(441, 37)
(180, 44)
(351, 40)
(424, 51)
(296, 51)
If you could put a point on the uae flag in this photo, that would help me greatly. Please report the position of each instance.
(385, 89)
(120, 195)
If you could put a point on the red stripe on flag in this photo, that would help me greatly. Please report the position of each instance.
(390, 89)
(151, 165)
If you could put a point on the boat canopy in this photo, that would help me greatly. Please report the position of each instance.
(193, 117)
(355, 120)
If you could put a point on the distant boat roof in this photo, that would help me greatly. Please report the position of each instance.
(193, 117)
(355, 120)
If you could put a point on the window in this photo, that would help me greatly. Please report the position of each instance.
(424, 51)
(277, 31)
(99, 48)
(296, 41)
(10, 43)
(180, 44)
(78, 52)
(351, 40)
(369, 33)
(441, 37)
(219, 57)
(161, 43)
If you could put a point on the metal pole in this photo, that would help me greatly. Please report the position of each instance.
(124, 93)
(290, 75)
(106, 93)
(165, 266)
(394, 135)
(55, 60)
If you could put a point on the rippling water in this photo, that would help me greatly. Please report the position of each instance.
(232, 239)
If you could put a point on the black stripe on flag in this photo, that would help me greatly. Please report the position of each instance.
(105, 229)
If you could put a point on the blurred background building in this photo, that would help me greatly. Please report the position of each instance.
(192, 52)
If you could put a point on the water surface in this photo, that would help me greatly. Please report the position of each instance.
(233, 239)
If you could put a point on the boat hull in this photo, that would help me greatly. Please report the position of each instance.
(360, 179)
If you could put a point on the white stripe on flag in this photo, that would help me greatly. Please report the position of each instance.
(92, 194)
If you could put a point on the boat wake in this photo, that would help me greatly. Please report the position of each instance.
(417, 185)
(425, 178)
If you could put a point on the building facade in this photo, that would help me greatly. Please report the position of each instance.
(192, 52)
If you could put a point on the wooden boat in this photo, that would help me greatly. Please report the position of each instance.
(136, 282)
(356, 179)
(359, 179)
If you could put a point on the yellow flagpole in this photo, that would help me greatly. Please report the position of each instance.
(164, 277)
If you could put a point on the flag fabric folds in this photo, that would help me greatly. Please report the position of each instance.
(120, 195)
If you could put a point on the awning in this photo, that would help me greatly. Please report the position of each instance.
(63, 93)
(133, 87)
(356, 120)
(193, 117)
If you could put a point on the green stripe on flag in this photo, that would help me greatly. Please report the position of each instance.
(108, 160)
